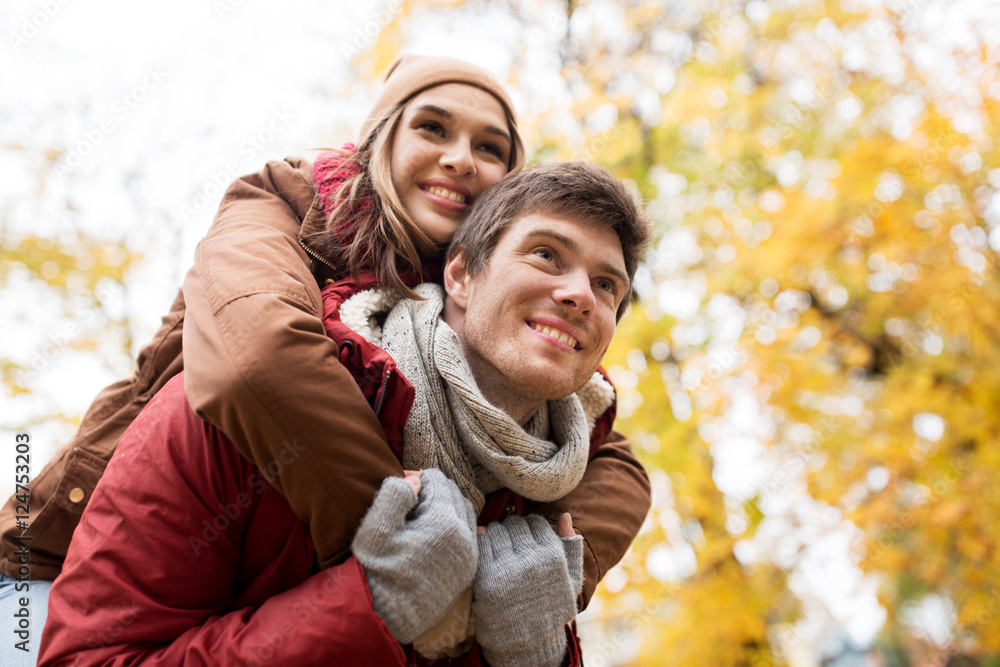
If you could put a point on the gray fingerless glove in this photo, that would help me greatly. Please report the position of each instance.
(573, 549)
(417, 562)
(524, 594)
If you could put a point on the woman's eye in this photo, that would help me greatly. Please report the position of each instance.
(493, 149)
(431, 126)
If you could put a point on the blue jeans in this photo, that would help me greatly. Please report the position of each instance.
(27, 620)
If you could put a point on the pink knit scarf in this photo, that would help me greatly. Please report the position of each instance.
(330, 171)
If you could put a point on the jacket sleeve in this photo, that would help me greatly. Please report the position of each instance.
(312, 624)
(608, 507)
(260, 367)
(157, 572)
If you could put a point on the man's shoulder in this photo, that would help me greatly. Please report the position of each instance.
(167, 413)
(167, 432)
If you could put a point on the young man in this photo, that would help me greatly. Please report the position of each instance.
(186, 554)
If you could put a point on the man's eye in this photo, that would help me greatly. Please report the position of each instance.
(606, 285)
(547, 255)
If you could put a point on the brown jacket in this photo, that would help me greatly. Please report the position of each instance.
(254, 292)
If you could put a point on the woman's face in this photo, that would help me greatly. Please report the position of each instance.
(451, 143)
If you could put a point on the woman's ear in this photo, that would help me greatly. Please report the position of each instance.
(456, 279)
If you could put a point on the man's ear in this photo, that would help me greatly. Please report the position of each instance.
(456, 279)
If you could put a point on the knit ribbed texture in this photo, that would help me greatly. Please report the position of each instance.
(452, 635)
(428, 418)
(454, 428)
(411, 74)
(360, 313)
(330, 170)
(417, 565)
(524, 594)
(573, 548)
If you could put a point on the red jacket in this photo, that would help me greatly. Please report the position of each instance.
(186, 555)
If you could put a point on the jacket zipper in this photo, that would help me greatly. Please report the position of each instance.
(381, 399)
(489, 497)
(388, 372)
(313, 254)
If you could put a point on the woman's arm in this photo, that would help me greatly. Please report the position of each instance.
(608, 508)
(260, 367)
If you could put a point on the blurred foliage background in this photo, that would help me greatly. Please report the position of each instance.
(811, 373)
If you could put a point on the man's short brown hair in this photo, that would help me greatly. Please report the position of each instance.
(574, 190)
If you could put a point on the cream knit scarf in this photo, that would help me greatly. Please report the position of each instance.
(454, 428)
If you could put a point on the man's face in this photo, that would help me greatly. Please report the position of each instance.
(538, 320)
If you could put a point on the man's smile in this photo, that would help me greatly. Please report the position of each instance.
(550, 331)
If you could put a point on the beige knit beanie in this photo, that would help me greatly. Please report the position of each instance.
(411, 74)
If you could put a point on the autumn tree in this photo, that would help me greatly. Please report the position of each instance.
(65, 296)
(841, 197)
(824, 296)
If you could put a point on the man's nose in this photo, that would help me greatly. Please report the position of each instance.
(576, 292)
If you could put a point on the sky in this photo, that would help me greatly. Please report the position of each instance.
(157, 108)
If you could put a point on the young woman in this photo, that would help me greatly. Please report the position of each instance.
(258, 364)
